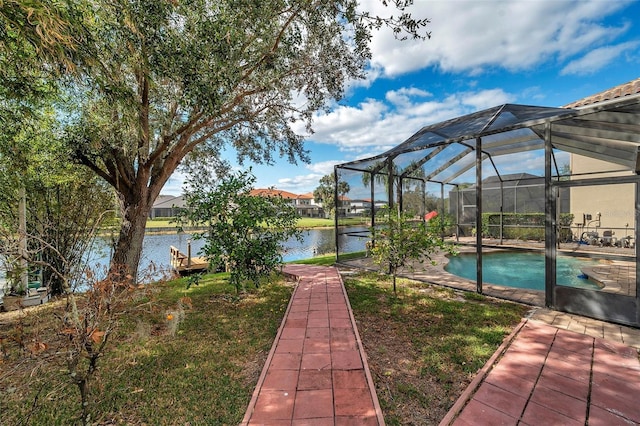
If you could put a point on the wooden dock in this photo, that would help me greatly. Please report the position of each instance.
(184, 264)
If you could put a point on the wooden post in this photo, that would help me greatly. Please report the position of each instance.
(22, 235)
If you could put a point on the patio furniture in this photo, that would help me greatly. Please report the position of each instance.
(607, 238)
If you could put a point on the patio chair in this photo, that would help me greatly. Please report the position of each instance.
(607, 238)
(590, 237)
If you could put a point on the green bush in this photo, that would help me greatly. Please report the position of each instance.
(523, 226)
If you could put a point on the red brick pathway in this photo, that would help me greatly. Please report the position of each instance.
(549, 376)
(316, 372)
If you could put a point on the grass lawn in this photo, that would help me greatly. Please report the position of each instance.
(304, 222)
(322, 260)
(423, 346)
(203, 374)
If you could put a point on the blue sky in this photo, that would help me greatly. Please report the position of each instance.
(482, 53)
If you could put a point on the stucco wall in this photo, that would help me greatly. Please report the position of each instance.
(615, 202)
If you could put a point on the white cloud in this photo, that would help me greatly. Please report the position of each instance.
(474, 36)
(324, 167)
(597, 59)
(485, 98)
(401, 97)
(297, 184)
(305, 183)
(374, 127)
(174, 184)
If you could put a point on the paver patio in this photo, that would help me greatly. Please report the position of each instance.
(551, 376)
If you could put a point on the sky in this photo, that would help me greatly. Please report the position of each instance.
(481, 53)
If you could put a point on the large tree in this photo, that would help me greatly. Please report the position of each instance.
(38, 41)
(175, 76)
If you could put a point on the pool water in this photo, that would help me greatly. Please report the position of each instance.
(520, 269)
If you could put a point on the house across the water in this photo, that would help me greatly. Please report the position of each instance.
(305, 204)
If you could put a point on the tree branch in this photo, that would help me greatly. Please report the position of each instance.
(143, 143)
(87, 162)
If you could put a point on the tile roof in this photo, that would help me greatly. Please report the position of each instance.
(273, 192)
(626, 89)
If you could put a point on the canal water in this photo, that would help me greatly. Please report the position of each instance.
(155, 248)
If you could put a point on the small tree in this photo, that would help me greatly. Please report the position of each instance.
(87, 327)
(245, 232)
(400, 242)
(87, 322)
(325, 193)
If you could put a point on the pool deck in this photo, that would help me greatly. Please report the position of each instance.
(436, 274)
(545, 375)
(614, 276)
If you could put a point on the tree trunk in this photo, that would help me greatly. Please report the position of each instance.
(128, 249)
(83, 386)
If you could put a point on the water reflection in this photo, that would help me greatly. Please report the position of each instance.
(155, 248)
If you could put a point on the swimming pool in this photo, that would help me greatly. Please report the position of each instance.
(520, 269)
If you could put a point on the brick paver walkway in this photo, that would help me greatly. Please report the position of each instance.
(316, 372)
(548, 376)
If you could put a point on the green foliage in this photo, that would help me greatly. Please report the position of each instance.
(524, 226)
(49, 29)
(13, 275)
(176, 78)
(244, 232)
(65, 203)
(38, 46)
(399, 242)
(38, 41)
(442, 224)
(325, 193)
(193, 279)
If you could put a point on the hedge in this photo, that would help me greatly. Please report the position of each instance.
(523, 226)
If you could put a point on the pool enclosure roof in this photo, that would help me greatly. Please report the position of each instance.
(444, 152)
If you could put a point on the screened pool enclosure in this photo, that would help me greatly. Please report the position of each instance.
(562, 182)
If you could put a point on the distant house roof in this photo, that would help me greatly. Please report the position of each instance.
(510, 180)
(511, 177)
(307, 196)
(273, 193)
(169, 201)
(626, 89)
